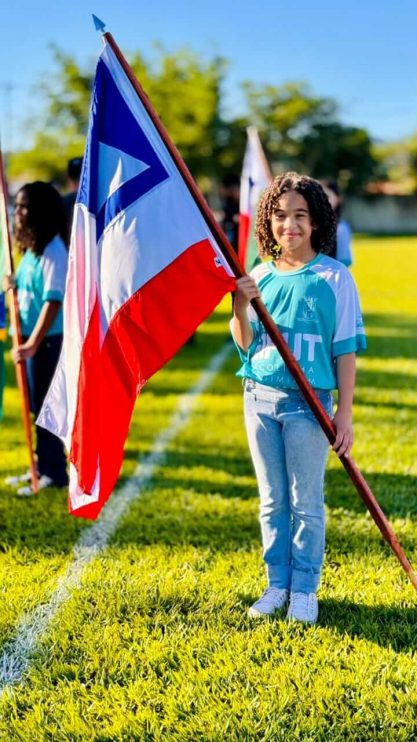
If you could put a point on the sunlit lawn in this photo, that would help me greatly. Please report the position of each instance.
(156, 645)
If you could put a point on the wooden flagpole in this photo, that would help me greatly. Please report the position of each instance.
(21, 373)
(307, 390)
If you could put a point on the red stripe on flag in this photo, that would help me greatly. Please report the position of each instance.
(144, 334)
(244, 230)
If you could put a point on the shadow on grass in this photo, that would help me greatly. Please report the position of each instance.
(223, 384)
(363, 540)
(403, 323)
(387, 626)
(209, 525)
(363, 401)
(207, 520)
(217, 461)
(396, 493)
(218, 530)
(38, 524)
(399, 342)
(380, 380)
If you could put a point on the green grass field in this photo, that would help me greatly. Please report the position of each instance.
(155, 643)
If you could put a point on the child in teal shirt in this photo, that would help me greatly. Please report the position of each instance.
(40, 233)
(314, 302)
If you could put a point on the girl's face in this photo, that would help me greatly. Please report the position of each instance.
(291, 224)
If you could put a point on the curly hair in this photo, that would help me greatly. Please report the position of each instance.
(45, 217)
(323, 238)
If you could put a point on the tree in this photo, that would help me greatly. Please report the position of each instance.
(338, 151)
(299, 129)
(286, 115)
(184, 90)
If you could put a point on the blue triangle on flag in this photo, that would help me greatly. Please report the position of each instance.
(120, 164)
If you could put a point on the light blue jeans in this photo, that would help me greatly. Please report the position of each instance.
(289, 452)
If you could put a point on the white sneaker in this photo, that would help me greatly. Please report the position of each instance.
(303, 607)
(18, 479)
(273, 599)
(43, 483)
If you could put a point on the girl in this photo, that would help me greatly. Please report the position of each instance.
(40, 229)
(313, 300)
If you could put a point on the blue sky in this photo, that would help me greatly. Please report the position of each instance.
(363, 53)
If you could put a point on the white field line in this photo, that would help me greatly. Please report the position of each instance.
(16, 654)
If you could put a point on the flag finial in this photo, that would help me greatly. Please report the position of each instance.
(99, 25)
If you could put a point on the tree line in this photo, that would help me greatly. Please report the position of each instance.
(299, 129)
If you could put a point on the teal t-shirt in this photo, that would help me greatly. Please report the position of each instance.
(41, 278)
(317, 310)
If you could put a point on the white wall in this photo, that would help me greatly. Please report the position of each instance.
(382, 214)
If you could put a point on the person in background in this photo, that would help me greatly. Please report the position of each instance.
(229, 215)
(40, 232)
(74, 167)
(343, 250)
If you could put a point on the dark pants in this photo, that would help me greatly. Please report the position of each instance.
(49, 449)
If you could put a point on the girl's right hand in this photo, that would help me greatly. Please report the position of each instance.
(246, 290)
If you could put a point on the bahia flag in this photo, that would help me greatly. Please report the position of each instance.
(144, 272)
(256, 176)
